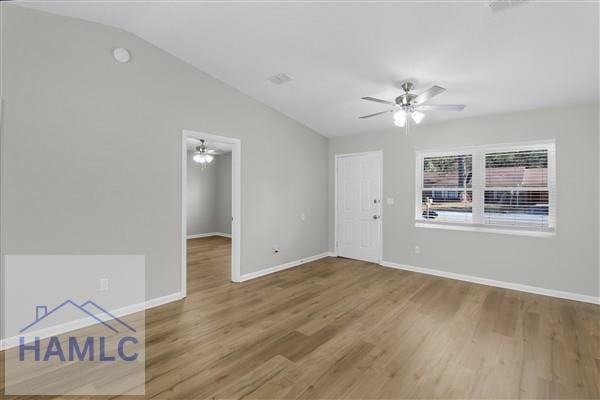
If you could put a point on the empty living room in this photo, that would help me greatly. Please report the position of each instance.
(300, 199)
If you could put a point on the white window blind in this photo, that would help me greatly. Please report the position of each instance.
(495, 186)
(516, 188)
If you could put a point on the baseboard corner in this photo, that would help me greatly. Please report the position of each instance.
(209, 234)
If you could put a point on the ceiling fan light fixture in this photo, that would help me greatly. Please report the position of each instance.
(400, 122)
(400, 115)
(400, 118)
(202, 154)
(199, 158)
(417, 116)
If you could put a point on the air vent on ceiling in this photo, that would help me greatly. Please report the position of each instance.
(280, 79)
(497, 5)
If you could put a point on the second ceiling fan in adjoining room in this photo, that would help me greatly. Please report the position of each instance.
(202, 154)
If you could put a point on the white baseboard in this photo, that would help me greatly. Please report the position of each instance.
(201, 235)
(493, 282)
(89, 321)
(281, 267)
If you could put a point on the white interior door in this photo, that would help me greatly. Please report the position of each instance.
(358, 208)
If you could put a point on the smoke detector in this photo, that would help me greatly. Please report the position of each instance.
(280, 78)
(121, 55)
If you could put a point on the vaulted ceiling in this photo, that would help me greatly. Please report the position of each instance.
(538, 54)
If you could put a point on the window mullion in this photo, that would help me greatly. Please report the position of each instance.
(419, 186)
(478, 186)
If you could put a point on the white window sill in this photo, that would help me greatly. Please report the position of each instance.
(481, 228)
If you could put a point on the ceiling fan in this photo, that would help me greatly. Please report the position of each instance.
(410, 105)
(203, 155)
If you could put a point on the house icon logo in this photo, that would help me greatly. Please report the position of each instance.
(79, 348)
(88, 309)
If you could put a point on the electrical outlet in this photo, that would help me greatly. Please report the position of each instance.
(103, 284)
(302, 217)
(390, 201)
(417, 249)
(275, 249)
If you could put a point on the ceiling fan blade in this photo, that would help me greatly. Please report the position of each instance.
(428, 94)
(441, 107)
(376, 114)
(376, 100)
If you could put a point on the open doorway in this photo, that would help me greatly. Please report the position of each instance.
(210, 207)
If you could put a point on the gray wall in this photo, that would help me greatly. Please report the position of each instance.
(223, 192)
(201, 197)
(209, 196)
(91, 151)
(567, 261)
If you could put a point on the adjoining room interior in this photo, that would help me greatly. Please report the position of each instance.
(210, 191)
(333, 200)
(208, 215)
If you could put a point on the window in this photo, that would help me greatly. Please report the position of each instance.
(447, 188)
(508, 188)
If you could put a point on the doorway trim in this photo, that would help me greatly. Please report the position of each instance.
(236, 188)
(335, 200)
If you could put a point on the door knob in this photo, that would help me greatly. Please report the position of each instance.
(375, 216)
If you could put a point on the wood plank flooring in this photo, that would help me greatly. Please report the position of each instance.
(339, 328)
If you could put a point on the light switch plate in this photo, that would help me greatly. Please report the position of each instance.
(390, 201)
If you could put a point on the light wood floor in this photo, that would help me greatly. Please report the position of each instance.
(339, 328)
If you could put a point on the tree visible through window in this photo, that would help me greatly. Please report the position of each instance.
(447, 187)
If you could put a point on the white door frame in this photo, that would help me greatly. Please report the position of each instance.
(236, 188)
(335, 205)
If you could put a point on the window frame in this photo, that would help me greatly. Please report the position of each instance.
(478, 188)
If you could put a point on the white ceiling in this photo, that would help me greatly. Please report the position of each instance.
(531, 56)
